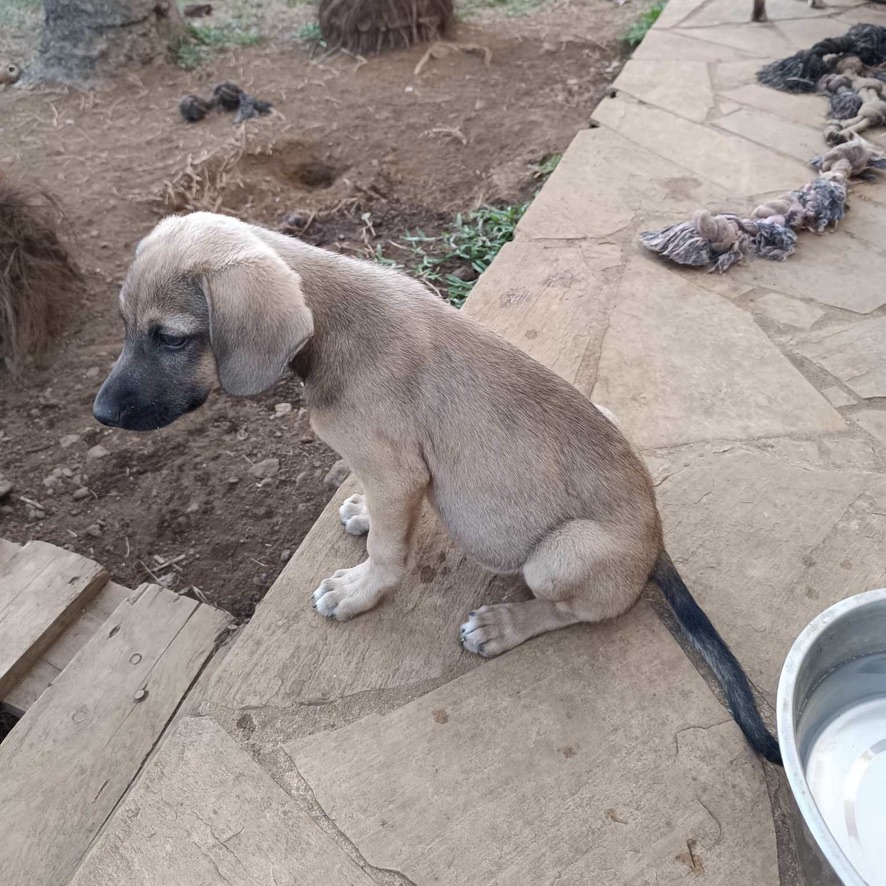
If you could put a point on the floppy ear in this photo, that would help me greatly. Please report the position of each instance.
(258, 321)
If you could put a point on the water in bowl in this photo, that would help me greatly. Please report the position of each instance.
(843, 745)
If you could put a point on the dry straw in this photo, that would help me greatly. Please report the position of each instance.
(205, 178)
(370, 26)
(38, 277)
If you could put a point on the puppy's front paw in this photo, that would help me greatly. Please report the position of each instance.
(347, 593)
(354, 515)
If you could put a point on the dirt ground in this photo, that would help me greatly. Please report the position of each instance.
(362, 149)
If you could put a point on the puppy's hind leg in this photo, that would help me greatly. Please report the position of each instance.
(583, 571)
(494, 629)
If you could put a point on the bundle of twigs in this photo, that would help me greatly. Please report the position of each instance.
(37, 273)
(370, 26)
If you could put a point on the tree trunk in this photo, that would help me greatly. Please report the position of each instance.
(83, 39)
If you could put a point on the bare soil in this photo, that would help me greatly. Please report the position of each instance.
(350, 136)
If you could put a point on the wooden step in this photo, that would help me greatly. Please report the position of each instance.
(32, 684)
(43, 590)
(43, 673)
(70, 759)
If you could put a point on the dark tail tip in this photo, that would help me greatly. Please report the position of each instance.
(712, 647)
(768, 748)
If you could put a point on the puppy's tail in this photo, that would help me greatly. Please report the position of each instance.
(713, 649)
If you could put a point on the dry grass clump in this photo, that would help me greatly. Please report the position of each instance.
(205, 179)
(37, 273)
(369, 26)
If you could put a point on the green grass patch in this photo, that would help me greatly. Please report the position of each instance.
(199, 42)
(638, 30)
(470, 242)
(473, 240)
(544, 167)
(310, 35)
(310, 32)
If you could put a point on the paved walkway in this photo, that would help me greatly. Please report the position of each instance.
(379, 752)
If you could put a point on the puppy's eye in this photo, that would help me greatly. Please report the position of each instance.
(173, 342)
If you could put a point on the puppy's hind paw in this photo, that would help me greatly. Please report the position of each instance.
(354, 515)
(488, 631)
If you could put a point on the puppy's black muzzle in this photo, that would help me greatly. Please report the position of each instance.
(143, 393)
(118, 406)
(107, 408)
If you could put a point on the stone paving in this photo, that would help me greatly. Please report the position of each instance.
(377, 751)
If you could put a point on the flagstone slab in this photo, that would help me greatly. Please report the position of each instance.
(758, 539)
(866, 218)
(664, 45)
(734, 74)
(721, 12)
(681, 365)
(675, 11)
(854, 354)
(787, 311)
(837, 396)
(869, 13)
(786, 137)
(536, 294)
(681, 87)
(595, 754)
(731, 162)
(606, 183)
(809, 110)
(205, 814)
(805, 33)
(826, 268)
(874, 422)
(763, 41)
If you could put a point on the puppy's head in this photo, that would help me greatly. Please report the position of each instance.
(205, 302)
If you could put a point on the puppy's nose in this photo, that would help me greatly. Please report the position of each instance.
(106, 410)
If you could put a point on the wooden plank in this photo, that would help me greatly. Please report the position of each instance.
(41, 676)
(91, 618)
(205, 814)
(72, 756)
(42, 589)
(21, 698)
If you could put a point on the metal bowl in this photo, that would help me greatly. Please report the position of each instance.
(832, 732)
